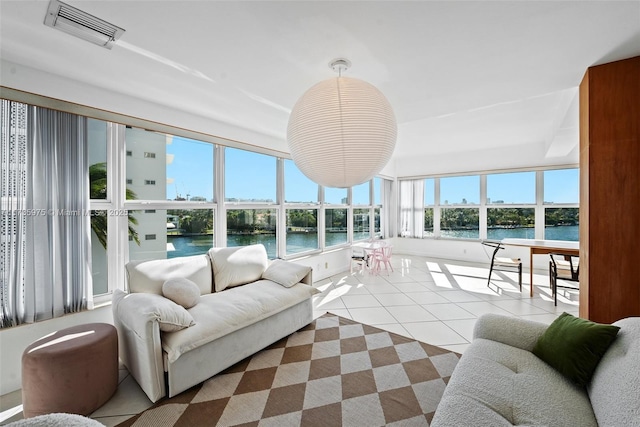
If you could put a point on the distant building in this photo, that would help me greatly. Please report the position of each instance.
(146, 170)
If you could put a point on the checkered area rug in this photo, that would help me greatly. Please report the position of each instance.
(333, 372)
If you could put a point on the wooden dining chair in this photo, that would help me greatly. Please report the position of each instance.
(502, 263)
(566, 268)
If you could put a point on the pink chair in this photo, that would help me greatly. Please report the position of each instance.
(382, 257)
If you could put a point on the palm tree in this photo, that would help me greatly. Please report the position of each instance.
(98, 190)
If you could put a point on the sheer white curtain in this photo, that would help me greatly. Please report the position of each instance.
(13, 175)
(386, 216)
(412, 208)
(50, 260)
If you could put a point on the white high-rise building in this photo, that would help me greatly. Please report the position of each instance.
(146, 172)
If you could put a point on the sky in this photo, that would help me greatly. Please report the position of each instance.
(560, 186)
(185, 173)
(251, 175)
(247, 176)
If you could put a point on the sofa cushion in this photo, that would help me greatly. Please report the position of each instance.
(574, 346)
(285, 273)
(495, 384)
(149, 275)
(181, 291)
(238, 265)
(615, 387)
(170, 316)
(222, 313)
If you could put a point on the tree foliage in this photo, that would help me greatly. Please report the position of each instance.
(98, 190)
(465, 218)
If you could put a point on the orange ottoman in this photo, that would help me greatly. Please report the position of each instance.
(74, 370)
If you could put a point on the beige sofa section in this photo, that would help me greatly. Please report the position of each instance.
(500, 382)
(249, 314)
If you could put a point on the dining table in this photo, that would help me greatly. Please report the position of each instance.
(541, 247)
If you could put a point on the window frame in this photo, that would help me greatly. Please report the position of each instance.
(539, 206)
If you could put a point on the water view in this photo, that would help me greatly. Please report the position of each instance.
(301, 242)
(296, 242)
(567, 232)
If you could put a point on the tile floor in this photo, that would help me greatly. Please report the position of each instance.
(432, 300)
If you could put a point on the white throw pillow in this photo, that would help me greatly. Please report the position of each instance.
(237, 265)
(149, 275)
(285, 273)
(181, 291)
(170, 316)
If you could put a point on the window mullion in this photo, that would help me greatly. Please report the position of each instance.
(539, 213)
(436, 209)
(118, 252)
(483, 208)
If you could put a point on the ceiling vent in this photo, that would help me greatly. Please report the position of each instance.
(81, 24)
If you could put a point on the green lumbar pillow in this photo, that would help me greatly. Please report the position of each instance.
(574, 346)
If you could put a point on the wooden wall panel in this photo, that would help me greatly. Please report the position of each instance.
(610, 191)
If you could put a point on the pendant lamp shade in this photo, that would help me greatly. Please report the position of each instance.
(341, 132)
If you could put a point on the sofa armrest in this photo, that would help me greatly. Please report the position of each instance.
(139, 344)
(308, 279)
(512, 331)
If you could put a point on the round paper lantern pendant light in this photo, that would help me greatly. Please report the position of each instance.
(342, 131)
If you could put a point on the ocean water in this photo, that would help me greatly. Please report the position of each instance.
(300, 242)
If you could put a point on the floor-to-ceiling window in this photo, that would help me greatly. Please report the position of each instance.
(377, 207)
(531, 204)
(301, 207)
(361, 202)
(250, 183)
(168, 194)
(561, 197)
(511, 200)
(429, 208)
(459, 201)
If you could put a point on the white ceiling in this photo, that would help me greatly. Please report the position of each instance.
(461, 76)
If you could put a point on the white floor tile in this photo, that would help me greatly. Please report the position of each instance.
(498, 293)
(326, 302)
(419, 275)
(382, 288)
(388, 300)
(372, 316)
(544, 318)
(371, 279)
(359, 301)
(460, 296)
(432, 286)
(519, 307)
(448, 311)
(410, 313)
(411, 287)
(458, 348)
(464, 327)
(353, 289)
(341, 312)
(482, 307)
(397, 277)
(435, 333)
(396, 328)
(427, 297)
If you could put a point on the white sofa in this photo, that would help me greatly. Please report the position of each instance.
(168, 348)
(500, 382)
